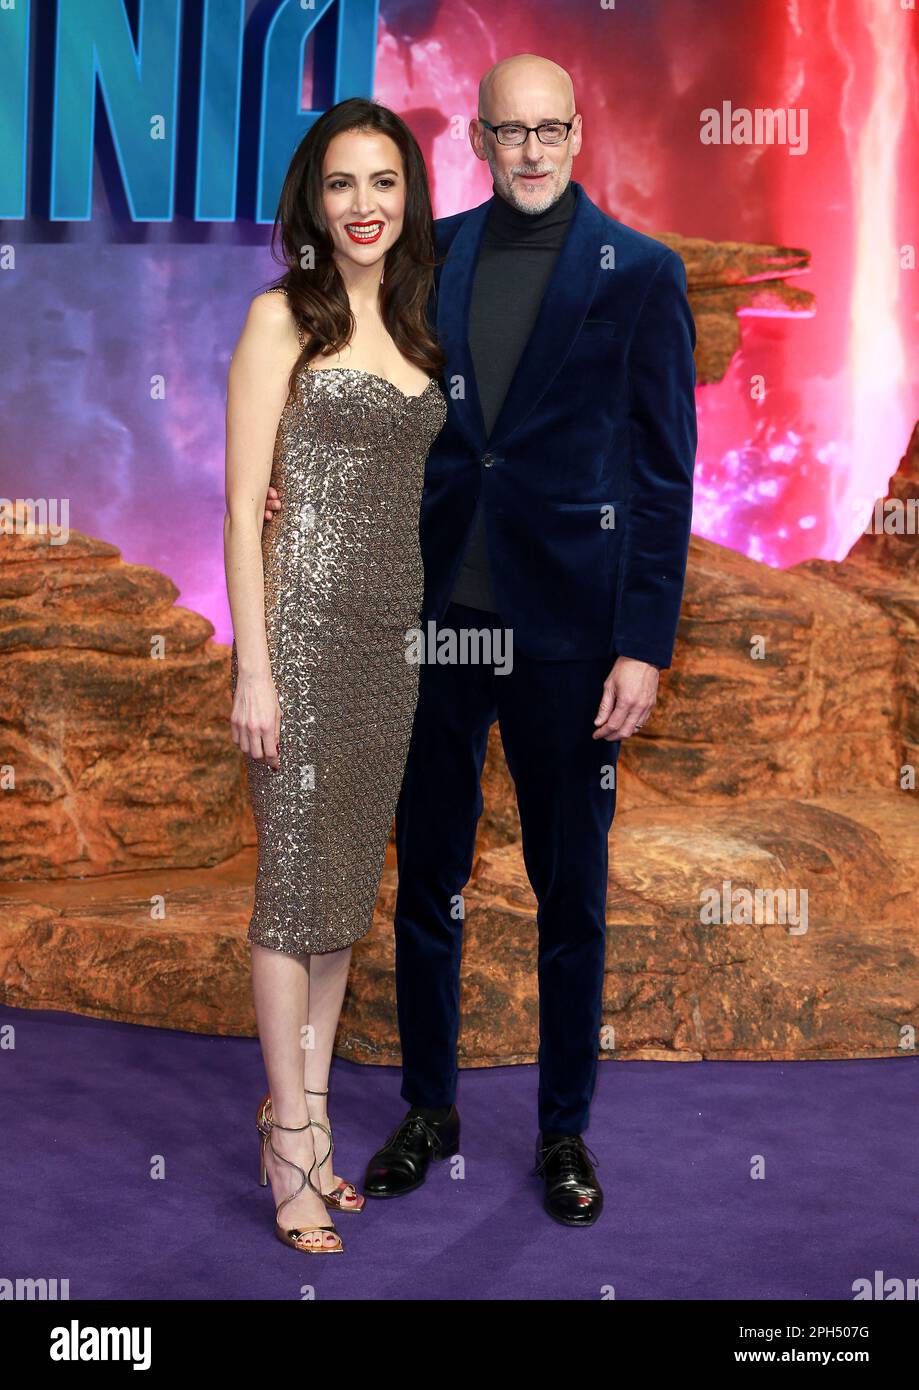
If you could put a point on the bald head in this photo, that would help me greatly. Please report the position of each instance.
(527, 90)
(525, 78)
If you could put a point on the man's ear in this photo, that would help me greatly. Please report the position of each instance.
(477, 138)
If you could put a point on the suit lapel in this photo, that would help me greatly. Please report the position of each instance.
(567, 298)
(454, 296)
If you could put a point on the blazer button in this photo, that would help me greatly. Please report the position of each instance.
(488, 460)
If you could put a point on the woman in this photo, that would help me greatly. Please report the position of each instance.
(332, 400)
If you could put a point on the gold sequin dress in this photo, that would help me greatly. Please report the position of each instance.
(344, 582)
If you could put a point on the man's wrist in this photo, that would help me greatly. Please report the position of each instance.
(633, 655)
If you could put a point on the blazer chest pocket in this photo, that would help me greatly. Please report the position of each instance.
(597, 341)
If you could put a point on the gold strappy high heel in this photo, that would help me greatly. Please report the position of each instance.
(294, 1235)
(342, 1189)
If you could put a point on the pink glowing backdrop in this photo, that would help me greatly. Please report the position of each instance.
(782, 478)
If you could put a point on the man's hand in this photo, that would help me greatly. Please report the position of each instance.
(272, 504)
(629, 693)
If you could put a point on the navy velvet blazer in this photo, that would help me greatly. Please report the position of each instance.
(586, 479)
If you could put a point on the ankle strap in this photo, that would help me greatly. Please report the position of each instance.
(294, 1129)
(314, 1093)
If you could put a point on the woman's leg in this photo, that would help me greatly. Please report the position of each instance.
(328, 979)
(281, 991)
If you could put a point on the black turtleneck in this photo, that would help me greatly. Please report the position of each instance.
(516, 258)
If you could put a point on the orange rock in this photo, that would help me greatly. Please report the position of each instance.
(113, 718)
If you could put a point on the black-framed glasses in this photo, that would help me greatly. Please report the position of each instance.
(512, 133)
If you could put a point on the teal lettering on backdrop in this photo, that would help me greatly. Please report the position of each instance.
(14, 101)
(140, 91)
(219, 95)
(170, 73)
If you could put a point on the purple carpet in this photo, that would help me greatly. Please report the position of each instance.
(90, 1105)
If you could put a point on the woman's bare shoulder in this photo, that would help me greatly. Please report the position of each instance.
(270, 329)
(270, 312)
(268, 342)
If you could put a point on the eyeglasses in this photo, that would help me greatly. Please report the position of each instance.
(511, 133)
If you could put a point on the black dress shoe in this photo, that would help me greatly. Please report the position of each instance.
(573, 1195)
(402, 1163)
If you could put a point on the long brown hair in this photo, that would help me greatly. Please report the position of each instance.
(317, 294)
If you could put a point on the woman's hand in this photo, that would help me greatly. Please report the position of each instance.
(256, 719)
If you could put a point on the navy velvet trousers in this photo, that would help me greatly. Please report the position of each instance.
(545, 712)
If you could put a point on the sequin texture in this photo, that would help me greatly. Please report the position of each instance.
(344, 581)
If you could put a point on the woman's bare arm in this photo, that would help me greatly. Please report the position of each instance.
(256, 392)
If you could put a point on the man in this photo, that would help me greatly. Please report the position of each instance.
(557, 505)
